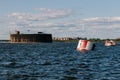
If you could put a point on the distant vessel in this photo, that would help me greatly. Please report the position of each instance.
(110, 43)
(29, 38)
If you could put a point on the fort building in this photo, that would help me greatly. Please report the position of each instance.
(28, 38)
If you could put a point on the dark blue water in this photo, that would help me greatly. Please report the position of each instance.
(58, 61)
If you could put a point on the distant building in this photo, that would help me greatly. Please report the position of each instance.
(62, 38)
(65, 38)
(28, 38)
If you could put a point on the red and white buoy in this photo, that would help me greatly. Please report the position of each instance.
(85, 45)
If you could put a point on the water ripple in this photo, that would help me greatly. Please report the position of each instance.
(58, 61)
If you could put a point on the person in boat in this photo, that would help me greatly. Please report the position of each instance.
(112, 42)
(107, 41)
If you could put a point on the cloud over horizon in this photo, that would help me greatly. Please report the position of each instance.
(44, 14)
(51, 21)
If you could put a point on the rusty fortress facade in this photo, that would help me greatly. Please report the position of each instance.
(29, 38)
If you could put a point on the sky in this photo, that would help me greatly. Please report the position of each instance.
(61, 18)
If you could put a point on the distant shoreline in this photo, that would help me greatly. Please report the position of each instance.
(73, 40)
(4, 40)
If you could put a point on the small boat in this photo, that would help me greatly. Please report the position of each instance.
(110, 43)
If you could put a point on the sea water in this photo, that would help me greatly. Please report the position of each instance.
(58, 61)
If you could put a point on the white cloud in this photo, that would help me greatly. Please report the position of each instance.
(44, 14)
(99, 20)
(50, 21)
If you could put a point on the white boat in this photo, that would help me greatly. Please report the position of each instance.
(110, 43)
